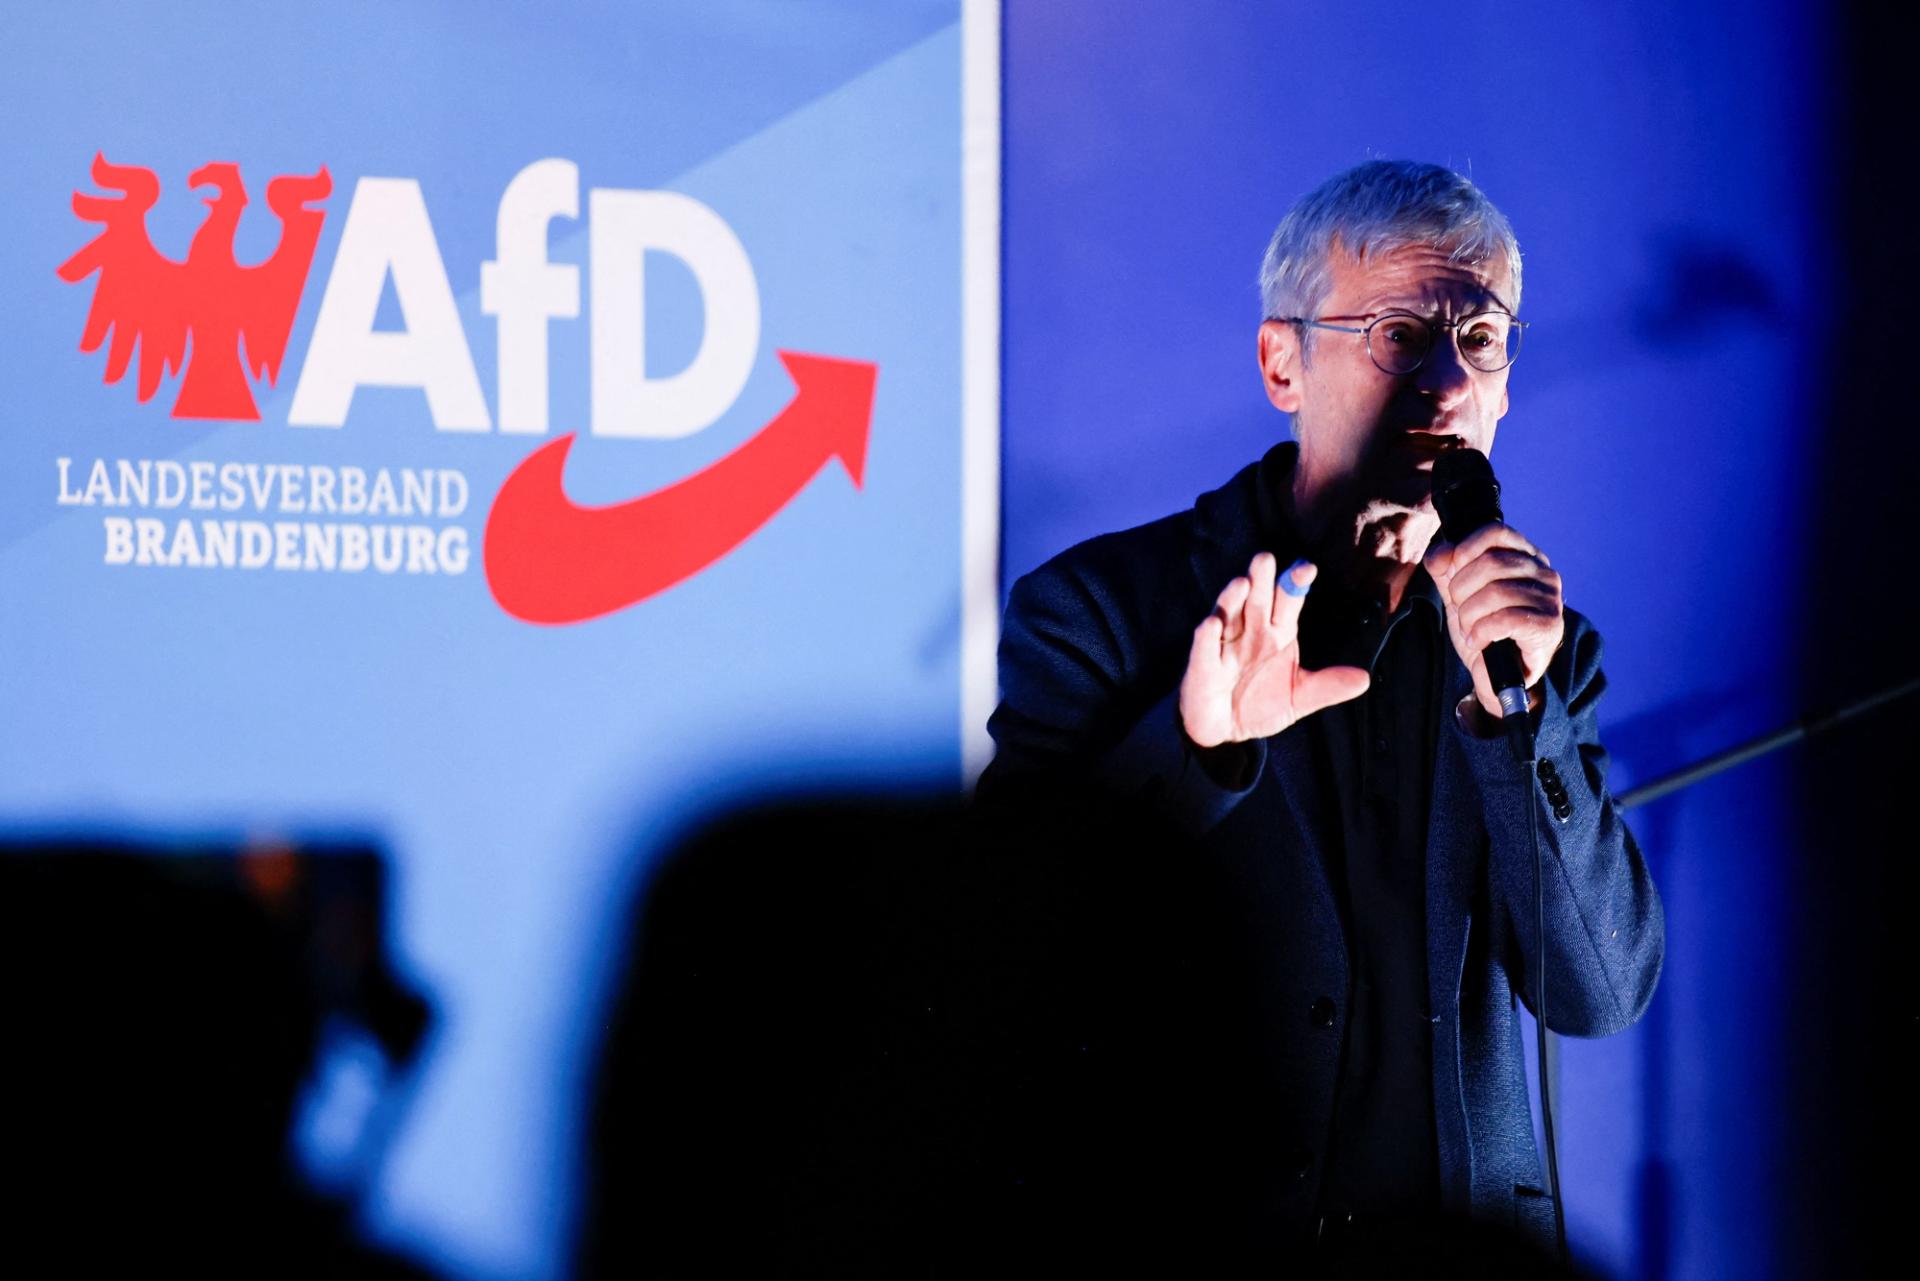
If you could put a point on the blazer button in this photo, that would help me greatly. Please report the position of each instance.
(1301, 1162)
(1321, 1015)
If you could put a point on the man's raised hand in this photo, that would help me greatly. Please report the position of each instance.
(1244, 679)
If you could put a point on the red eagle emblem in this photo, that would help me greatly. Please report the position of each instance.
(144, 296)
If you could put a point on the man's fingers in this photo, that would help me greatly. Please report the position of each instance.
(1260, 599)
(1471, 607)
(1505, 544)
(1206, 642)
(1518, 623)
(1228, 607)
(1500, 565)
(1315, 690)
(1494, 535)
(1201, 686)
(1290, 595)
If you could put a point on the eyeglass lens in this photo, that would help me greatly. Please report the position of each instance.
(1399, 342)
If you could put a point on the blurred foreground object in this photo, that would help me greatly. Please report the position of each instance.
(864, 1037)
(165, 1008)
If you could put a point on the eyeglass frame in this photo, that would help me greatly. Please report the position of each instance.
(1366, 333)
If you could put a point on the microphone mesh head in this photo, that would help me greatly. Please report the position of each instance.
(1465, 494)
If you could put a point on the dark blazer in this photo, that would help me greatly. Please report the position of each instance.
(1091, 656)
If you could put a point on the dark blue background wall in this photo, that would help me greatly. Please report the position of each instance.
(1683, 180)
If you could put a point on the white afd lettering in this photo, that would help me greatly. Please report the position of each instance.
(387, 230)
(624, 226)
(524, 290)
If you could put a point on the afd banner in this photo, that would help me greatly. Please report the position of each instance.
(508, 431)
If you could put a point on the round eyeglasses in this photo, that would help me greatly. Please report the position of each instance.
(1398, 341)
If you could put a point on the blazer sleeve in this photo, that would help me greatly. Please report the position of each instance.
(1089, 697)
(1605, 931)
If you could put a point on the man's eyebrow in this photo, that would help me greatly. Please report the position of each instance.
(1379, 303)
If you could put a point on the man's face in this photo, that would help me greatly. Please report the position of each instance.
(1369, 438)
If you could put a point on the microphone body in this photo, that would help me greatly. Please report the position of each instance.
(1466, 496)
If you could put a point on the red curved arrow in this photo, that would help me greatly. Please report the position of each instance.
(550, 560)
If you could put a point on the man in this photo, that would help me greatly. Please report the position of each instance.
(1293, 669)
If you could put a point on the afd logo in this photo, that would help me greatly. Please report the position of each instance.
(548, 560)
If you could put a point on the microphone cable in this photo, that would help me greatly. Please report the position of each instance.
(1540, 997)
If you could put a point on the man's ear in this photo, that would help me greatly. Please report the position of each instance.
(1280, 364)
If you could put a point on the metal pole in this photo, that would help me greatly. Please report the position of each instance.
(1806, 727)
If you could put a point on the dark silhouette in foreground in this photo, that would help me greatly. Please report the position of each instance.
(918, 1040)
(164, 1010)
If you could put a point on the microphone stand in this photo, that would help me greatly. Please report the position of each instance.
(1739, 754)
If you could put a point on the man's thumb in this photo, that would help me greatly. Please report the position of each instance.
(1315, 690)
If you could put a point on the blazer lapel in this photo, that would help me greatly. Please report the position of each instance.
(1455, 844)
(1455, 848)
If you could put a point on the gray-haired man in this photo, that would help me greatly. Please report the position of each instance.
(1338, 747)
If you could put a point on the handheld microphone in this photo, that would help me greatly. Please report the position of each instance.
(1466, 496)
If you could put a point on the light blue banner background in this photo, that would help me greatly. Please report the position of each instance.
(520, 775)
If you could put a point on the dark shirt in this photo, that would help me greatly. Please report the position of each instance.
(1383, 1159)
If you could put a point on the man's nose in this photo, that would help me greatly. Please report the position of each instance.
(1443, 375)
